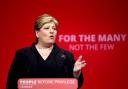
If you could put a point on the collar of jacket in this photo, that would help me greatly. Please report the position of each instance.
(56, 48)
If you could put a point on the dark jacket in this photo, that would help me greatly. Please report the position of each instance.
(27, 63)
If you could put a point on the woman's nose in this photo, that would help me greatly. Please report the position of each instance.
(51, 30)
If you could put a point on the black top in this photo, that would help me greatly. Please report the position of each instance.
(28, 63)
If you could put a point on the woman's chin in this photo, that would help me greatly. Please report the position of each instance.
(51, 42)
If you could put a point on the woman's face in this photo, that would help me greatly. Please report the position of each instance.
(47, 34)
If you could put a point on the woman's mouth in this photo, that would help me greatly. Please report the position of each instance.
(51, 36)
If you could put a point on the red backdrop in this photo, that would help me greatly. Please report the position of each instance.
(106, 68)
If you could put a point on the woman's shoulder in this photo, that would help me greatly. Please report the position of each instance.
(24, 50)
(66, 51)
(63, 50)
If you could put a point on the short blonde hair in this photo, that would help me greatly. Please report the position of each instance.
(43, 19)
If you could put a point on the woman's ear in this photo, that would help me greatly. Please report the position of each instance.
(37, 34)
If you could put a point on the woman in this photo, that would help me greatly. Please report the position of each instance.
(44, 59)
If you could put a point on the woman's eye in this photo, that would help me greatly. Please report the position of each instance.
(54, 28)
(46, 28)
